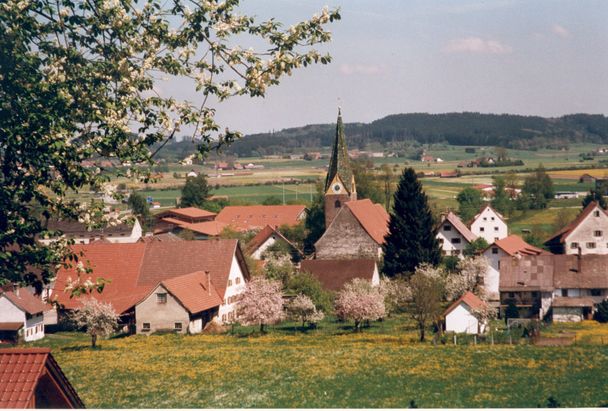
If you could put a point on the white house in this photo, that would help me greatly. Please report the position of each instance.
(124, 233)
(489, 224)
(587, 234)
(453, 235)
(460, 316)
(23, 312)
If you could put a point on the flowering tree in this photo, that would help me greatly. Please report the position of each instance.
(80, 82)
(469, 276)
(427, 288)
(301, 308)
(261, 303)
(359, 301)
(99, 319)
(397, 293)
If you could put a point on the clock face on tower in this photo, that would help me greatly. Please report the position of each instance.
(337, 188)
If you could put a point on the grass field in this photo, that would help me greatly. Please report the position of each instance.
(329, 367)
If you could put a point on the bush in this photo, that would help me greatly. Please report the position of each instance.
(601, 315)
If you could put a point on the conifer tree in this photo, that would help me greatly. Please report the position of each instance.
(411, 239)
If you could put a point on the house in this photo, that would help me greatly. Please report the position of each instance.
(191, 174)
(134, 270)
(586, 178)
(201, 222)
(560, 195)
(426, 159)
(21, 315)
(127, 232)
(460, 316)
(438, 160)
(489, 224)
(31, 378)
(448, 174)
(453, 235)
(357, 231)
(256, 217)
(587, 234)
(184, 304)
(568, 286)
(333, 274)
(511, 246)
(268, 238)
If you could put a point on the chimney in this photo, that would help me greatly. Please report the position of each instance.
(208, 282)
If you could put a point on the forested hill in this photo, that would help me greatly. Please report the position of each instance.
(512, 131)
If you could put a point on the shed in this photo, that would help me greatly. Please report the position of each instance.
(460, 318)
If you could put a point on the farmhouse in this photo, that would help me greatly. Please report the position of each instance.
(122, 233)
(460, 316)
(586, 178)
(333, 274)
(21, 315)
(256, 217)
(489, 224)
(135, 270)
(31, 378)
(587, 234)
(453, 235)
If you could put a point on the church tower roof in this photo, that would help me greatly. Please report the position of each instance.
(339, 164)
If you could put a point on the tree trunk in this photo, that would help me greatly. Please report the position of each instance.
(421, 333)
(262, 328)
(357, 326)
(93, 340)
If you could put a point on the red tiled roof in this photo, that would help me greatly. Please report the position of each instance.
(561, 235)
(514, 244)
(190, 212)
(26, 301)
(469, 299)
(11, 326)
(210, 228)
(20, 371)
(244, 218)
(134, 269)
(372, 217)
(457, 223)
(333, 274)
(195, 291)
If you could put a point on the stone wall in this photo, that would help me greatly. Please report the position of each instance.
(346, 239)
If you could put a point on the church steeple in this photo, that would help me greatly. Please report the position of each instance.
(340, 181)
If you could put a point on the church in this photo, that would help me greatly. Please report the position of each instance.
(354, 229)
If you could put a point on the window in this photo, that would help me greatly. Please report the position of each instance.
(161, 298)
(337, 204)
(495, 238)
(238, 280)
(596, 213)
(482, 229)
(146, 327)
(178, 326)
(447, 228)
(485, 219)
(590, 245)
(455, 240)
(229, 283)
(492, 218)
(564, 292)
(597, 233)
(573, 246)
(495, 228)
(534, 294)
(494, 250)
(596, 292)
(223, 318)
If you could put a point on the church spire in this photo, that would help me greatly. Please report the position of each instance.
(339, 165)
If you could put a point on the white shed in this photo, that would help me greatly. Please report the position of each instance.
(459, 316)
(21, 306)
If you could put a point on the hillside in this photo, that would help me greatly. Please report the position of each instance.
(400, 130)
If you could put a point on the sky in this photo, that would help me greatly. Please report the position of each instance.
(546, 58)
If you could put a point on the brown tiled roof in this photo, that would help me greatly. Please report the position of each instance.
(11, 326)
(20, 370)
(244, 218)
(372, 217)
(210, 228)
(587, 271)
(77, 229)
(572, 302)
(188, 214)
(26, 301)
(162, 237)
(514, 244)
(467, 298)
(263, 235)
(561, 235)
(134, 269)
(457, 223)
(333, 274)
(195, 291)
(531, 273)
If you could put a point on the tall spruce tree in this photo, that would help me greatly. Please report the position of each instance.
(411, 240)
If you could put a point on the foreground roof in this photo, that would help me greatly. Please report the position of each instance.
(514, 244)
(26, 301)
(457, 223)
(373, 218)
(333, 274)
(20, 372)
(244, 218)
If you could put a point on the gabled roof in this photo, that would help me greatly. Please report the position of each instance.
(457, 223)
(26, 301)
(209, 228)
(11, 326)
(188, 213)
(20, 372)
(263, 235)
(339, 163)
(514, 244)
(244, 218)
(561, 235)
(373, 218)
(333, 274)
(468, 298)
(194, 291)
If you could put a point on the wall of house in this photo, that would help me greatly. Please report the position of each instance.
(236, 281)
(160, 316)
(447, 238)
(489, 226)
(346, 239)
(460, 320)
(567, 314)
(135, 235)
(492, 277)
(34, 328)
(257, 254)
(584, 236)
(10, 313)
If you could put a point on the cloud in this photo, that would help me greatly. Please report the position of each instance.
(476, 45)
(365, 69)
(560, 31)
